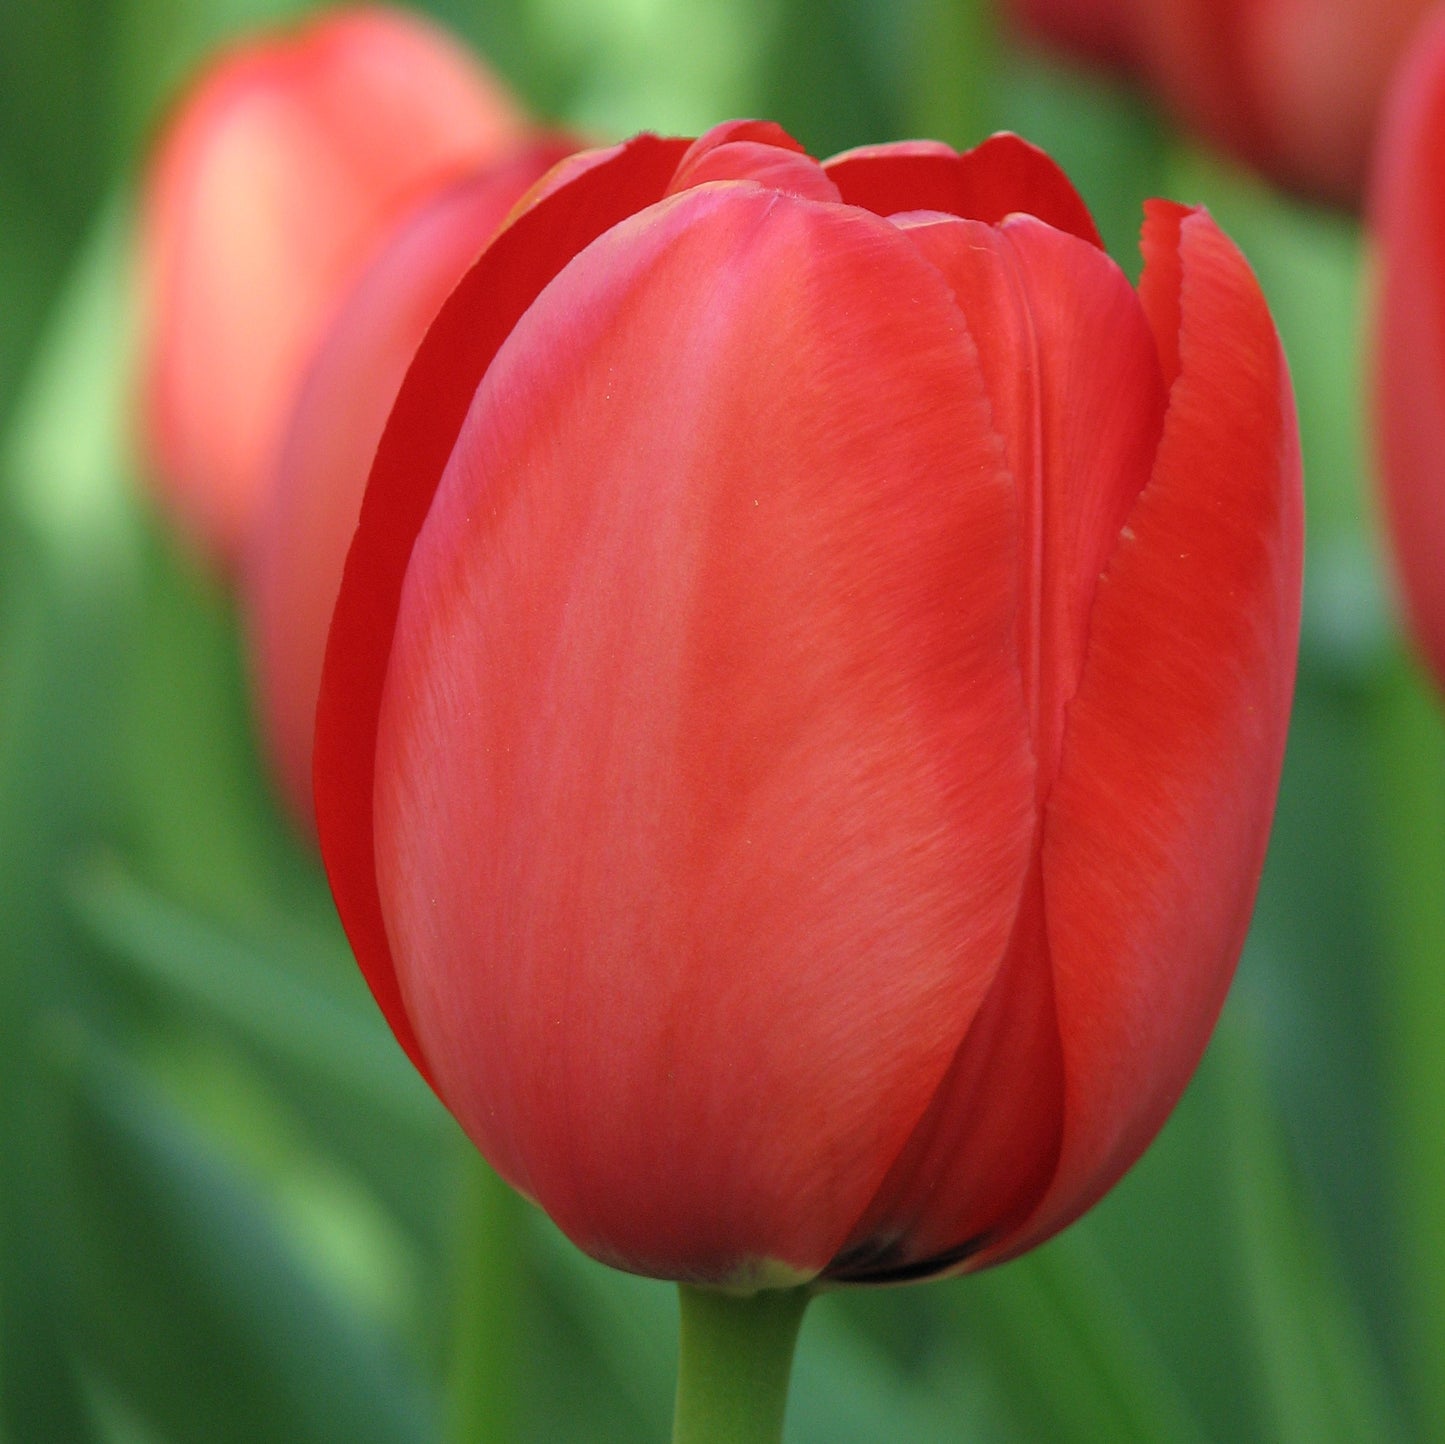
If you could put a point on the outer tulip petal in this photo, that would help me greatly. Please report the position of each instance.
(1073, 379)
(1408, 215)
(1003, 175)
(295, 565)
(1155, 833)
(754, 651)
(429, 412)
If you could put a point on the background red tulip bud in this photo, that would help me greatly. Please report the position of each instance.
(306, 524)
(1293, 87)
(1407, 217)
(273, 183)
(803, 712)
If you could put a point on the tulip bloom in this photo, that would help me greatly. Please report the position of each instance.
(294, 564)
(273, 183)
(1293, 87)
(802, 716)
(1407, 215)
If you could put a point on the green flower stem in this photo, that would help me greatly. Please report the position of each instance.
(482, 1392)
(734, 1359)
(1410, 742)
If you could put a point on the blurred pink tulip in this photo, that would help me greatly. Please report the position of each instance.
(272, 184)
(1291, 86)
(1407, 216)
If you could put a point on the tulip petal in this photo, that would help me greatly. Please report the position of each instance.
(767, 165)
(429, 411)
(1073, 379)
(703, 776)
(1155, 833)
(1003, 175)
(1407, 210)
(736, 132)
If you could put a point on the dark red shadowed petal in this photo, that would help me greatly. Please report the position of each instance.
(1163, 276)
(1098, 29)
(572, 168)
(429, 412)
(1155, 834)
(1407, 214)
(1002, 176)
(704, 798)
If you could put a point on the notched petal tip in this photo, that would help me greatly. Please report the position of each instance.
(1003, 175)
(1007, 173)
(1159, 286)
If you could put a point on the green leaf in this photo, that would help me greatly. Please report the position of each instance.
(63, 624)
(341, 1042)
(846, 1390)
(199, 1313)
(1407, 836)
(1071, 1358)
(1321, 1380)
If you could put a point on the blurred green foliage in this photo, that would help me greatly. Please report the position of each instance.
(230, 1211)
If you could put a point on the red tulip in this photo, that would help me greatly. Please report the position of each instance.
(804, 707)
(299, 547)
(1407, 213)
(1293, 87)
(273, 183)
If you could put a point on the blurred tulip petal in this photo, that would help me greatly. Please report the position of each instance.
(299, 548)
(1293, 87)
(1407, 214)
(273, 184)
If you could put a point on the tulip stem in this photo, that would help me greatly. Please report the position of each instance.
(734, 1359)
(1411, 747)
(486, 1274)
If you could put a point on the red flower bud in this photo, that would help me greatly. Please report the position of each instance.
(273, 183)
(804, 707)
(1407, 216)
(305, 524)
(1293, 87)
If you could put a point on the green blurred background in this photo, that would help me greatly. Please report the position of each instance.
(228, 1210)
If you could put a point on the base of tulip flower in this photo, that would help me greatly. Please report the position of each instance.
(735, 1355)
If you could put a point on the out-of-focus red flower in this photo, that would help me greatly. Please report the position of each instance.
(1291, 86)
(1407, 217)
(299, 548)
(802, 717)
(273, 182)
